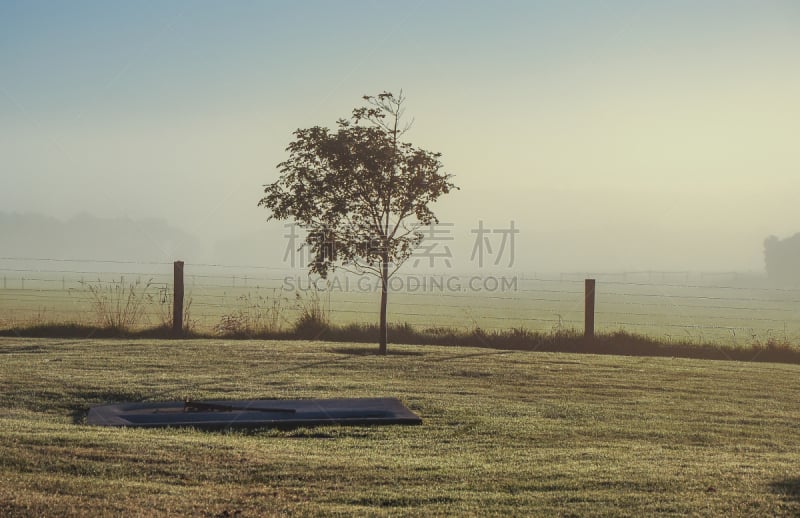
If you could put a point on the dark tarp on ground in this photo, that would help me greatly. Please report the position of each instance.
(253, 413)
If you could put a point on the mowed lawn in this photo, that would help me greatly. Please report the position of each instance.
(505, 433)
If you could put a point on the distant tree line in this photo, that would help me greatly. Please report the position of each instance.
(782, 258)
(85, 236)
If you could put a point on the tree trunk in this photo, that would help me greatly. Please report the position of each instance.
(384, 330)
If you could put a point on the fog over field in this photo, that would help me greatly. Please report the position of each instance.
(615, 136)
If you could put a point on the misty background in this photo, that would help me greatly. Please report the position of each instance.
(617, 136)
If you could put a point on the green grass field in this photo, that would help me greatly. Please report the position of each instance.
(505, 433)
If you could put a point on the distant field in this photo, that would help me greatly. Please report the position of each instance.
(507, 433)
(728, 308)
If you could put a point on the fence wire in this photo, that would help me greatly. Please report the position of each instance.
(41, 290)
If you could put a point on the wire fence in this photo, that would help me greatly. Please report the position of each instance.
(733, 307)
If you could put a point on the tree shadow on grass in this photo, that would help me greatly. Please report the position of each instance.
(471, 355)
(788, 488)
(22, 349)
(373, 351)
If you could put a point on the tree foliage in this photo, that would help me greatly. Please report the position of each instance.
(360, 192)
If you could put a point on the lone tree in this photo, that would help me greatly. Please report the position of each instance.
(361, 193)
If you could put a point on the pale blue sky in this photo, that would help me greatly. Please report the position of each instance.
(617, 134)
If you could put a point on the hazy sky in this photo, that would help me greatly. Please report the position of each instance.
(617, 135)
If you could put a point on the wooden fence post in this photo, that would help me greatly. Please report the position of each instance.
(588, 331)
(177, 298)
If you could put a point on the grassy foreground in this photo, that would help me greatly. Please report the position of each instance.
(504, 432)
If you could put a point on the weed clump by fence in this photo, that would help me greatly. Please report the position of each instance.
(120, 306)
